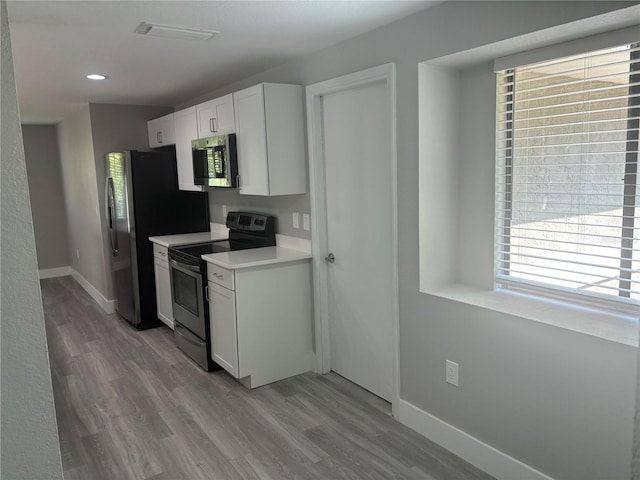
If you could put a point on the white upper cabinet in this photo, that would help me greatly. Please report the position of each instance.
(270, 139)
(216, 117)
(186, 129)
(161, 131)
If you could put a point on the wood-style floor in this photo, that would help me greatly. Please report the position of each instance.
(130, 405)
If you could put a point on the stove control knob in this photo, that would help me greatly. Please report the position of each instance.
(330, 258)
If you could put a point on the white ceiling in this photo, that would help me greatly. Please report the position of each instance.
(55, 43)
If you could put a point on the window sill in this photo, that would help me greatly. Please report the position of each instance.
(613, 327)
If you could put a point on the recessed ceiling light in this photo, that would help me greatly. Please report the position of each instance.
(168, 31)
(96, 76)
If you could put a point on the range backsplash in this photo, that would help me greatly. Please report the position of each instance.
(282, 207)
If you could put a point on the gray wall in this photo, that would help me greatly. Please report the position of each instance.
(86, 252)
(29, 447)
(42, 156)
(84, 138)
(116, 128)
(544, 395)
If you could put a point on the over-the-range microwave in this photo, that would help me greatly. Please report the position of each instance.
(215, 163)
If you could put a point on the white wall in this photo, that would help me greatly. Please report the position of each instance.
(477, 176)
(28, 435)
(438, 196)
(545, 395)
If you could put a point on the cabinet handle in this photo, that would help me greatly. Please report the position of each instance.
(164, 254)
(159, 137)
(211, 125)
(218, 276)
(206, 293)
(182, 265)
(215, 124)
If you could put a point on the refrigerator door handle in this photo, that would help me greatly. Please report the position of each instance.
(110, 204)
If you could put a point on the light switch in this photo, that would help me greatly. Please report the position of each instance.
(306, 221)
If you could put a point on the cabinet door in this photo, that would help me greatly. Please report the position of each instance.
(161, 131)
(163, 293)
(216, 117)
(251, 141)
(206, 119)
(186, 129)
(225, 116)
(224, 337)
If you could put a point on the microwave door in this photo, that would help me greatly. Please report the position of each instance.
(200, 166)
(214, 161)
(210, 167)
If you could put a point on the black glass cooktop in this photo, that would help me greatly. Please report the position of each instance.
(205, 248)
(246, 230)
(192, 253)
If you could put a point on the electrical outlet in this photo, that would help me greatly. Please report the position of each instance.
(224, 212)
(306, 221)
(452, 373)
(296, 220)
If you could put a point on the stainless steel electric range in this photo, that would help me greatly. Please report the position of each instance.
(189, 290)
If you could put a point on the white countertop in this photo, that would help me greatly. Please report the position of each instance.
(186, 238)
(256, 257)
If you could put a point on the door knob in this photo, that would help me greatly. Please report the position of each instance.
(330, 258)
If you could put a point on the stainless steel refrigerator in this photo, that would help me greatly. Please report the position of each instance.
(143, 200)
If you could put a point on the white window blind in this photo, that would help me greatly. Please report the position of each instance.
(568, 199)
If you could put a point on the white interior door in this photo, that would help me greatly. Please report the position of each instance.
(360, 221)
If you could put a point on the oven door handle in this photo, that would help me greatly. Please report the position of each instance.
(182, 265)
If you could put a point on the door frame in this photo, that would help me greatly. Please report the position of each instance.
(317, 184)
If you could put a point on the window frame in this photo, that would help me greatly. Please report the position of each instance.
(622, 303)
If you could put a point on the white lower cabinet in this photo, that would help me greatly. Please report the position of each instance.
(224, 337)
(163, 285)
(261, 331)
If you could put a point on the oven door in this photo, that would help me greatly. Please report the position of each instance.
(187, 296)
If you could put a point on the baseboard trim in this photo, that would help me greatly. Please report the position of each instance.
(485, 457)
(109, 306)
(54, 272)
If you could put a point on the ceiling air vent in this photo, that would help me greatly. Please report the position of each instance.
(174, 32)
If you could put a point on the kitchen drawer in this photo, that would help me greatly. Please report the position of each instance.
(161, 253)
(191, 345)
(221, 276)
